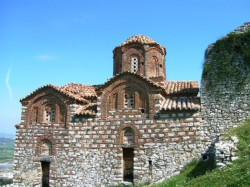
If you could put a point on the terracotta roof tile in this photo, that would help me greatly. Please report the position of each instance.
(181, 87)
(139, 39)
(79, 90)
(89, 109)
(181, 103)
(56, 88)
(170, 88)
(111, 80)
(75, 91)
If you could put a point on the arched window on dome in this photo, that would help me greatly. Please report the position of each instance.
(128, 136)
(134, 64)
(157, 66)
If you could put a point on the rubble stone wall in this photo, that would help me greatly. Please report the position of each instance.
(225, 103)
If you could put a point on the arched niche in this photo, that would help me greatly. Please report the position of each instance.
(45, 146)
(124, 96)
(47, 109)
(128, 136)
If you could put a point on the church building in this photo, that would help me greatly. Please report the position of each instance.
(136, 128)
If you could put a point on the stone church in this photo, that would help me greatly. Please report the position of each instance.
(135, 128)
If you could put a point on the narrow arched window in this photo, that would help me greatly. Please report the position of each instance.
(128, 136)
(134, 64)
(49, 113)
(156, 63)
(115, 101)
(46, 148)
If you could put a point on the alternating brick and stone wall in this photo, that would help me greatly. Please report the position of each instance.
(90, 152)
(136, 128)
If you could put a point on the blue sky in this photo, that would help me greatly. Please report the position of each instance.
(59, 42)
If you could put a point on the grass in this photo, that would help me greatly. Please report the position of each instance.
(205, 175)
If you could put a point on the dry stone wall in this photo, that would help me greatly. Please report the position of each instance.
(226, 151)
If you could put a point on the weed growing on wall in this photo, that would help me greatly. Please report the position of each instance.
(228, 60)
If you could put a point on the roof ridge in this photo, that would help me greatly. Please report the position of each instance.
(131, 73)
(57, 89)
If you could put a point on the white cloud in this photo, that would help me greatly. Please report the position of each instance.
(8, 84)
(44, 57)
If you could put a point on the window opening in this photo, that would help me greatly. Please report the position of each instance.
(115, 101)
(134, 64)
(36, 114)
(156, 63)
(129, 100)
(49, 114)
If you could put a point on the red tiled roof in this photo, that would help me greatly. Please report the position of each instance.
(79, 90)
(167, 87)
(89, 109)
(181, 87)
(111, 80)
(74, 91)
(181, 103)
(139, 39)
(56, 88)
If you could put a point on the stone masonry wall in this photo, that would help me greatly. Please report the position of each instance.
(169, 142)
(223, 104)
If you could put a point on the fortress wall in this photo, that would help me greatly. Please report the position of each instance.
(225, 84)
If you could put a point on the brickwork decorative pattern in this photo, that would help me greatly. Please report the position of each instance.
(85, 144)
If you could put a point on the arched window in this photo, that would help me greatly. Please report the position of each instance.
(36, 114)
(129, 99)
(128, 136)
(156, 63)
(46, 147)
(49, 113)
(134, 64)
(115, 101)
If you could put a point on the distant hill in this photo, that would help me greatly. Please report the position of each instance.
(6, 149)
(7, 135)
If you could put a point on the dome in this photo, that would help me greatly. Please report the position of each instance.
(141, 55)
(139, 39)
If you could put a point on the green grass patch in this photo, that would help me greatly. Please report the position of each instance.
(203, 173)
